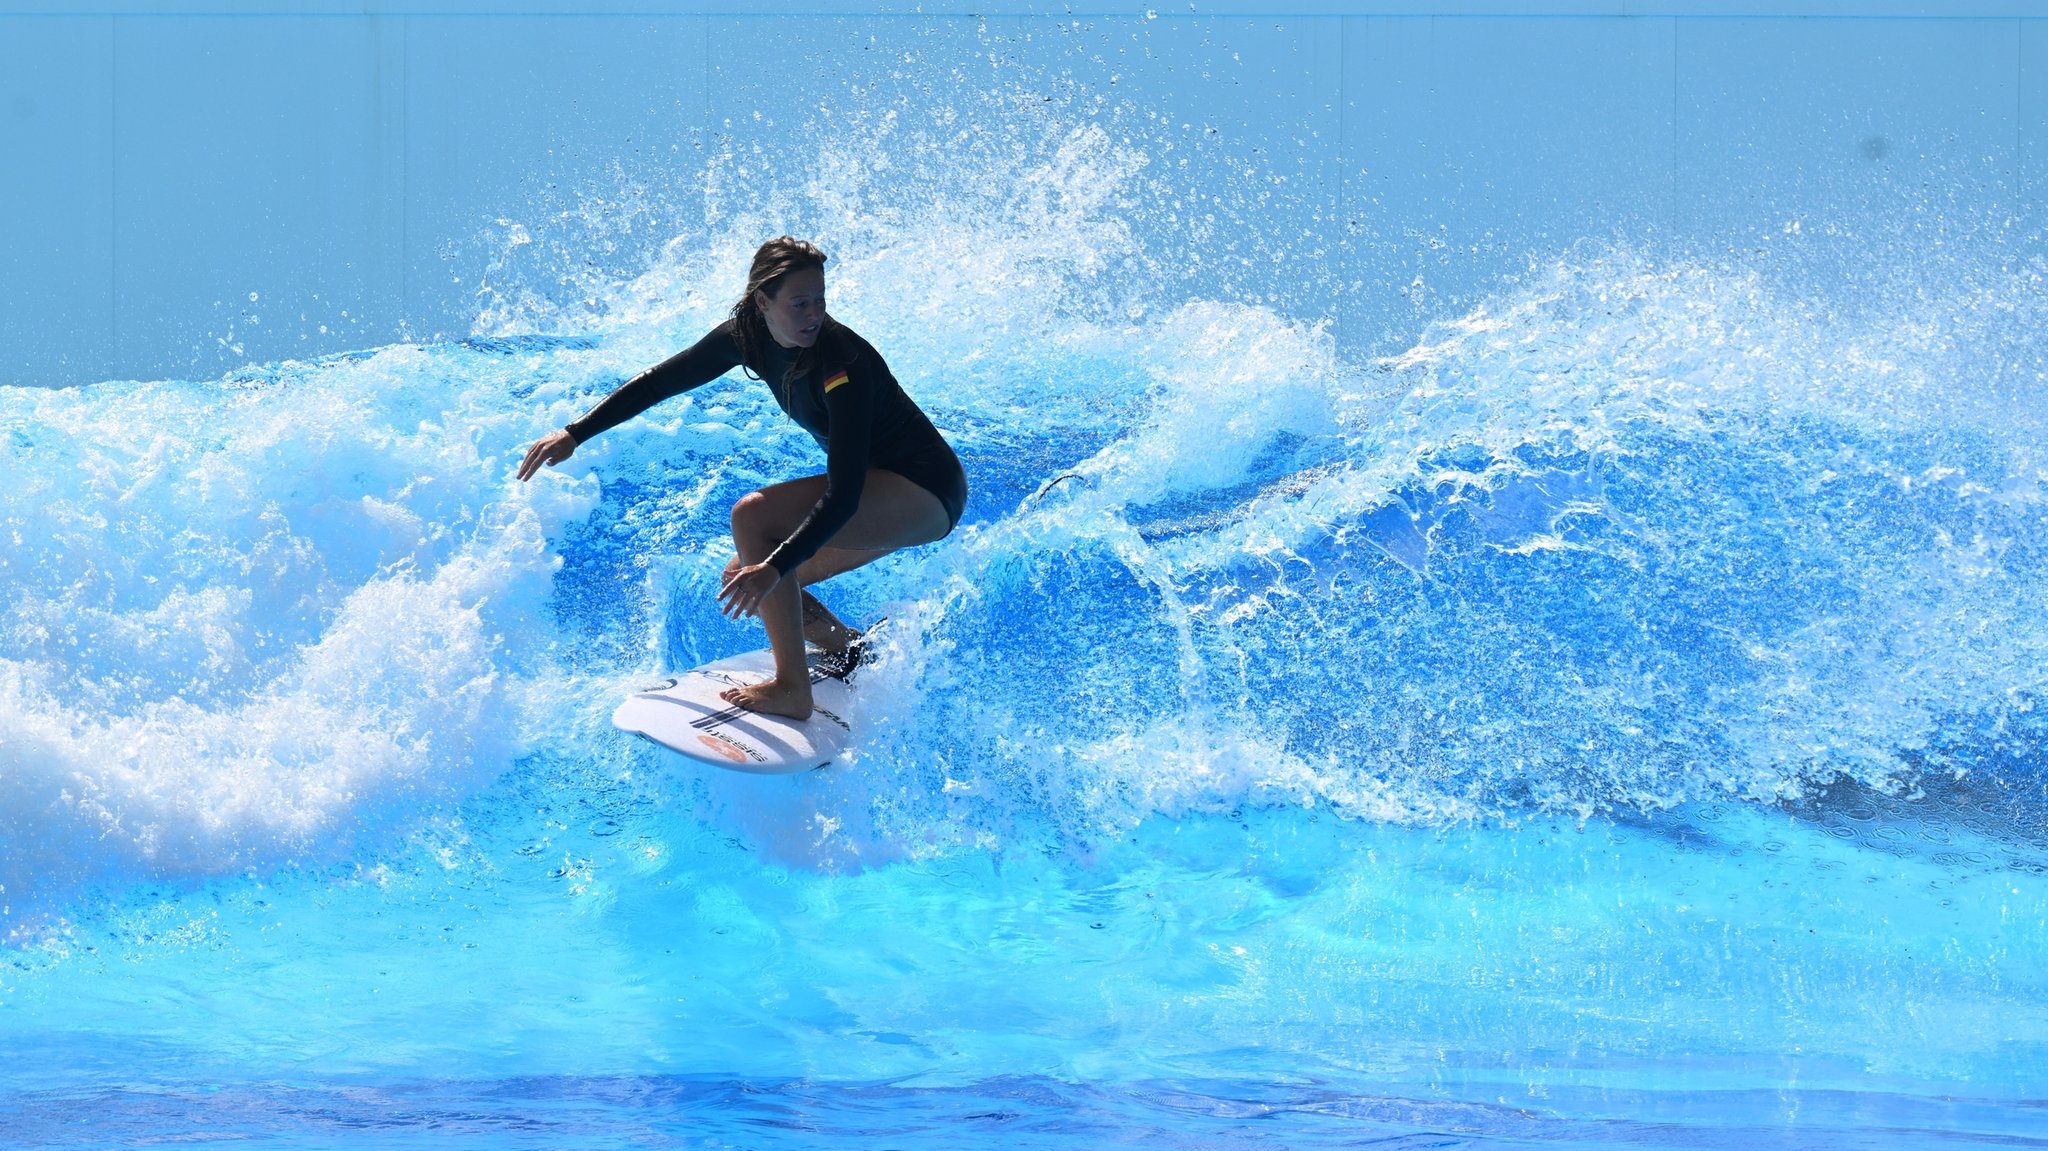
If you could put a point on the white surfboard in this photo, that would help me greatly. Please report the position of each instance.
(686, 715)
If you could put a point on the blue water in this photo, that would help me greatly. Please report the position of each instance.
(1606, 712)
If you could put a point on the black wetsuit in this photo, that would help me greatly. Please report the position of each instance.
(845, 398)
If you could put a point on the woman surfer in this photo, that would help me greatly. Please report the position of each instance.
(891, 481)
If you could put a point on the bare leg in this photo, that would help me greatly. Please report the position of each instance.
(822, 628)
(894, 513)
(781, 612)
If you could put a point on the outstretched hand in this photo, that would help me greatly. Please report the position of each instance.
(550, 450)
(747, 587)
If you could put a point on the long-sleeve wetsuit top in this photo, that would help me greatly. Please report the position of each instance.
(846, 399)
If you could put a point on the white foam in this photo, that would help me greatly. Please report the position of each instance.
(249, 618)
(248, 624)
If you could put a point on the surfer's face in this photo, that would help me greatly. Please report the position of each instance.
(796, 313)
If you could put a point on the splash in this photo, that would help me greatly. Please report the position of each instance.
(1643, 529)
(248, 621)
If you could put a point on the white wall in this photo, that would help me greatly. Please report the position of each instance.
(346, 166)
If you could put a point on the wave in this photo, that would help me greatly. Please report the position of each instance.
(1643, 528)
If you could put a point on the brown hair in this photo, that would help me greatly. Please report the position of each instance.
(772, 261)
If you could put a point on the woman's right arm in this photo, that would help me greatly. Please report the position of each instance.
(700, 363)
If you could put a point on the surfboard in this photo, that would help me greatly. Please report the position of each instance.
(684, 714)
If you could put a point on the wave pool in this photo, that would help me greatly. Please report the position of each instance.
(1606, 712)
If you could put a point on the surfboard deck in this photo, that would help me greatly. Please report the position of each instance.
(685, 715)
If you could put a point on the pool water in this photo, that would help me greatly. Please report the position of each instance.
(1604, 713)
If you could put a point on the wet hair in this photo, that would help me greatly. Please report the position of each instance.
(773, 261)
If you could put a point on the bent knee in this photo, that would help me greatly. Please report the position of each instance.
(749, 513)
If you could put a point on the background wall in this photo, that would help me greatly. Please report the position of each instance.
(187, 192)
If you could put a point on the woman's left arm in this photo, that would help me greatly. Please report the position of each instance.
(850, 410)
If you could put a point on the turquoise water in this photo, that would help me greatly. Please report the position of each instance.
(1603, 713)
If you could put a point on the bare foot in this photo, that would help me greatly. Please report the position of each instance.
(824, 630)
(771, 697)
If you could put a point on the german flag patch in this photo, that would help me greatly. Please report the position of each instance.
(834, 380)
